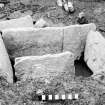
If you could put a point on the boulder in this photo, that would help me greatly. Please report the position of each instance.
(94, 54)
(5, 65)
(17, 23)
(31, 41)
(46, 67)
(75, 38)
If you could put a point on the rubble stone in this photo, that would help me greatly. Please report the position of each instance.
(31, 41)
(5, 65)
(75, 38)
(17, 23)
(46, 66)
(41, 23)
(94, 54)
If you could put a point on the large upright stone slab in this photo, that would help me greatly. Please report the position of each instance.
(31, 41)
(5, 65)
(17, 23)
(75, 37)
(46, 66)
(94, 54)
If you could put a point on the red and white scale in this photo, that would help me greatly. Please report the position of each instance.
(60, 97)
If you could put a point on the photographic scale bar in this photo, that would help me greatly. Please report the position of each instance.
(59, 97)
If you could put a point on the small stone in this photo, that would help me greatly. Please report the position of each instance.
(94, 54)
(47, 66)
(41, 23)
(5, 65)
(60, 3)
(81, 14)
(1, 5)
(82, 18)
(39, 92)
(66, 8)
(71, 7)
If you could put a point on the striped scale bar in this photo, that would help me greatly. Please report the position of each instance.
(59, 97)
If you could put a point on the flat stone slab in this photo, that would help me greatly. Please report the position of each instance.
(46, 66)
(31, 41)
(5, 65)
(40, 41)
(25, 21)
(94, 54)
(75, 38)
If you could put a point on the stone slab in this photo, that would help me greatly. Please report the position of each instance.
(94, 54)
(5, 65)
(25, 21)
(31, 41)
(75, 38)
(46, 66)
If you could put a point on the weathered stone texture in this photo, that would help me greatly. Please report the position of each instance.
(95, 52)
(30, 41)
(46, 66)
(75, 38)
(5, 65)
(39, 41)
(17, 23)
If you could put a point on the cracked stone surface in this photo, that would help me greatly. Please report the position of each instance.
(46, 66)
(75, 38)
(17, 23)
(31, 41)
(5, 65)
(94, 52)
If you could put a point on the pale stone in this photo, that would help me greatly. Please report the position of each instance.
(46, 66)
(94, 54)
(60, 3)
(1, 5)
(66, 8)
(41, 23)
(75, 38)
(5, 65)
(17, 23)
(31, 41)
(71, 7)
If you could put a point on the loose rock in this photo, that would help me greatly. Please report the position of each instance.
(1, 5)
(71, 7)
(41, 23)
(5, 65)
(46, 66)
(60, 3)
(31, 41)
(17, 23)
(75, 38)
(94, 54)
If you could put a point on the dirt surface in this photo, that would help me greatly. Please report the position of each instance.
(91, 92)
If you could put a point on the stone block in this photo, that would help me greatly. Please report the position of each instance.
(5, 66)
(46, 67)
(17, 23)
(94, 54)
(31, 41)
(75, 38)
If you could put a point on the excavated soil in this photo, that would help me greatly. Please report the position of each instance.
(91, 92)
